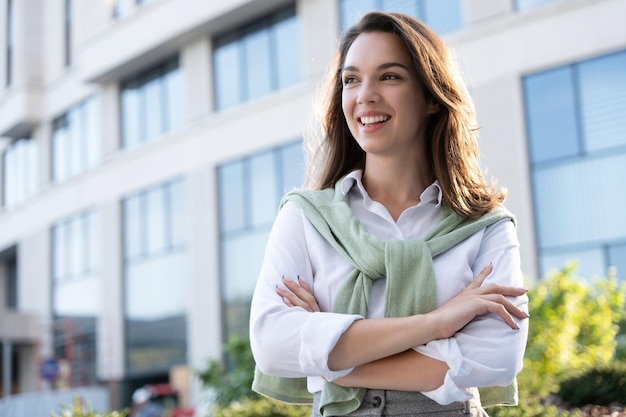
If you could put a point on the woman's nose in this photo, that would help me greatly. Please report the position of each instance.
(367, 93)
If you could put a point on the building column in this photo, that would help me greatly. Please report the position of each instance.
(6, 367)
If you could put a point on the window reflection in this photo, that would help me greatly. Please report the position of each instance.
(575, 137)
(440, 15)
(155, 277)
(20, 171)
(253, 60)
(152, 103)
(255, 183)
(76, 140)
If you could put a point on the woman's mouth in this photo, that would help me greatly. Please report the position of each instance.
(370, 120)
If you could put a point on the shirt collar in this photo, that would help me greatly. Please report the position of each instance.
(432, 193)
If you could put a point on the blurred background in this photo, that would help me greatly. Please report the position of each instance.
(145, 146)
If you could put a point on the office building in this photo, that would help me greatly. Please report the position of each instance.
(146, 144)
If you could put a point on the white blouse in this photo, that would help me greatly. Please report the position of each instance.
(291, 342)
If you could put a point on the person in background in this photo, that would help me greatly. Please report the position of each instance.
(142, 406)
(392, 283)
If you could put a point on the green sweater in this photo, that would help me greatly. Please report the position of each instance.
(410, 286)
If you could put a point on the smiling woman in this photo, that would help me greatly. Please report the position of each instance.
(393, 283)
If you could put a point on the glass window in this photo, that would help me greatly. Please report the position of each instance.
(232, 199)
(603, 101)
(440, 15)
(227, 68)
(256, 50)
(253, 60)
(617, 258)
(76, 283)
(20, 171)
(264, 194)
(133, 226)
(151, 103)
(155, 224)
(122, 8)
(255, 183)
(522, 5)
(76, 140)
(551, 115)
(175, 109)
(156, 270)
(578, 161)
(287, 40)
(443, 15)
(176, 209)
(132, 133)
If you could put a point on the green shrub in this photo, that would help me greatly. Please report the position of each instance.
(573, 328)
(233, 382)
(602, 386)
(261, 406)
(232, 385)
(78, 410)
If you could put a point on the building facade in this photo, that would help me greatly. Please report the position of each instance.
(146, 144)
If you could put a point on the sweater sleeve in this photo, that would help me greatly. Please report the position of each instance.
(291, 342)
(486, 352)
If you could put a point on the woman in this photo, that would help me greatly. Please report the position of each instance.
(393, 284)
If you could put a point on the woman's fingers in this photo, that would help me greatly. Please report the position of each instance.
(504, 308)
(298, 294)
(480, 278)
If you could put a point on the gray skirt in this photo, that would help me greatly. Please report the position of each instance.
(409, 404)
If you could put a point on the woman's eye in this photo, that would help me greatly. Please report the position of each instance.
(390, 77)
(348, 80)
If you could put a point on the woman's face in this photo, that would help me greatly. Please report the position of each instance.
(382, 99)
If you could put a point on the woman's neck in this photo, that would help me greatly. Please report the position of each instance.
(397, 186)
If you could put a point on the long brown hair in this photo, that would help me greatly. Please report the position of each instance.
(451, 132)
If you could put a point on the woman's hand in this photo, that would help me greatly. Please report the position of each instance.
(476, 300)
(298, 294)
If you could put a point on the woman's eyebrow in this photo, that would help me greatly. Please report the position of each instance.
(384, 66)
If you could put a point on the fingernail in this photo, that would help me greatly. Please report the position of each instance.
(298, 277)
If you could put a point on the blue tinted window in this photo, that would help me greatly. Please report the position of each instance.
(76, 285)
(617, 258)
(352, 10)
(603, 101)
(156, 270)
(227, 68)
(440, 15)
(232, 190)
(151, 103)
(443, 15)
(20, 171)
(75, 140)
(551, 115)
(287, 64)
(531, 4)
(578, 176)
(257, 53)
(255, 183)
(258, 58)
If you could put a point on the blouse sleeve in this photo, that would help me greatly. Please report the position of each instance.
(290, 341)
(486, 352)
